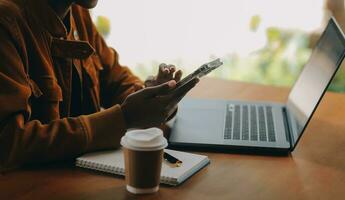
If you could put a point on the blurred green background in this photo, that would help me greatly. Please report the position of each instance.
(278, 63)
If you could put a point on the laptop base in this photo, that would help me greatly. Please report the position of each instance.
(251, 150)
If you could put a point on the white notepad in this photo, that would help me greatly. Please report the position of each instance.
(113, 162)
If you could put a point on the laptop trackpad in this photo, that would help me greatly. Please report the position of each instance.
(200, 122)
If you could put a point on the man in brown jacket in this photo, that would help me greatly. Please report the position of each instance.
(56, 73)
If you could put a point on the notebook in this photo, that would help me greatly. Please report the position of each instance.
(113, 162)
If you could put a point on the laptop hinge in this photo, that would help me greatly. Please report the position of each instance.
(288, 131)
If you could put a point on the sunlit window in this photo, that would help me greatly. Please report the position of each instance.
(260, 41)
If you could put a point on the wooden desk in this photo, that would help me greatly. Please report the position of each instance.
(315, 170)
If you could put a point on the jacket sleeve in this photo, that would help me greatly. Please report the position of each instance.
(116, 81)
(23, 140)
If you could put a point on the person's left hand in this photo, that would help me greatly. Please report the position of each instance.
(165, 74)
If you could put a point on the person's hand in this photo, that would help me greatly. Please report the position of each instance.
(151, 106)
(165, 74)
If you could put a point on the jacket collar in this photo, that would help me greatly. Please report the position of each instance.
(64, 44)
(46, 16)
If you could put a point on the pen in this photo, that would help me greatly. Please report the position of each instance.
(171, 159)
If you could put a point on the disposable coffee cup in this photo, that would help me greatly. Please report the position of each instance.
(143, 153)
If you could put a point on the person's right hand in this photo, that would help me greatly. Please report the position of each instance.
(151, 106)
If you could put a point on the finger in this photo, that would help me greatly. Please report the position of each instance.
(178, 76)
(162, 70)
(175, 95)
(159, 89)
(172, 68)
(180, 92)
(170, 75)
(150, 81)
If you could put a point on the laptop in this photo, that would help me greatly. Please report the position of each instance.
(262, 126)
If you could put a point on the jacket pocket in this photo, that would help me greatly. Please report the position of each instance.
(45, 107)
(51, 91)
(35, 90)
(93, 66)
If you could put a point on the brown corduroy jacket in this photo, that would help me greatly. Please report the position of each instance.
(36, 59)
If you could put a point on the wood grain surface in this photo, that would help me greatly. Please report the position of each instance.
(315, 170)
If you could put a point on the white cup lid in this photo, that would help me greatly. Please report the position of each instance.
(144, 139)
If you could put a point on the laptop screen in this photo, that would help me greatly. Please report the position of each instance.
(315, 78)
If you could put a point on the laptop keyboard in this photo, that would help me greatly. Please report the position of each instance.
(249, 123)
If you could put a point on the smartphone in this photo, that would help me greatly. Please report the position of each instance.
(203, 70)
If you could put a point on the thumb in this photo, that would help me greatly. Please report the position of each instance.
(159, 89)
